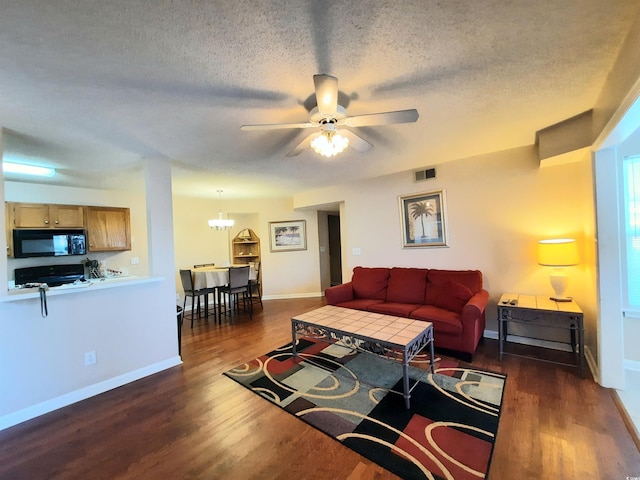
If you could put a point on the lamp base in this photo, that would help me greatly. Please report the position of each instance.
(562, 299)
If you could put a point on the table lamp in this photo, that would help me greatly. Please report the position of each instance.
(558, 253)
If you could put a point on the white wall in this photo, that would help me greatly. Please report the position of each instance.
(498, 206)
(131, 328)
(612, 125)
(284, 274)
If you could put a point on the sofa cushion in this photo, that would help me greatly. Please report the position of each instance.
(392, 308)
(359, 304)
(450, 295)
(407, 285)
(370, 283)
(444, 321)
(472, 279)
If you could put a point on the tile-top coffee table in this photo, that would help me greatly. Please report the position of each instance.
(372, 332)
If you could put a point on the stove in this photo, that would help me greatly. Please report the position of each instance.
(52, 275)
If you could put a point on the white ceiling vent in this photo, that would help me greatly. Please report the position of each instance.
(424, 174)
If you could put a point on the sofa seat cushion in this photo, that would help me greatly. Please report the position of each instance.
(444, 321)
(407, 285)
(449, 295)
(393, 308)
(370, 283)
(359, 304)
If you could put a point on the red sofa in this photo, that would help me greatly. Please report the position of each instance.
(453, 300)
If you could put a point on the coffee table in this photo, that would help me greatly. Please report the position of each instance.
(371, 332)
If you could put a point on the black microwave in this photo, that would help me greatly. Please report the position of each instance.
(48, 243)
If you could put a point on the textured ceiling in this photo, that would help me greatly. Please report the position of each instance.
(95, 85)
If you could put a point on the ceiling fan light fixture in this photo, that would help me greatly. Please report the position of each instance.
(328, 114)
(329, 144)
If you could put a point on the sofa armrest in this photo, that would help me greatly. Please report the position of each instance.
(475, 307)
(339, 293)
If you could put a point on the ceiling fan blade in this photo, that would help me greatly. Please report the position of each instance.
(356, 142)
(326, 93)
(388, 118)
(276, 126)
(303, 145)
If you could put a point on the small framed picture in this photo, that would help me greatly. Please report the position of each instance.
(424, 222)
(288, 236)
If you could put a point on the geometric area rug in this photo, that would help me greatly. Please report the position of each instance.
(448, 433)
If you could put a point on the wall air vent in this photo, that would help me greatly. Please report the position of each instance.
(424, 174)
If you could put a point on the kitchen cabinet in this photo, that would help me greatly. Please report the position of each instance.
(37, 215)
(108, 229)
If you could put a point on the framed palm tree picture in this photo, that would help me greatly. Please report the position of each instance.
(288, 236)
(423, 220)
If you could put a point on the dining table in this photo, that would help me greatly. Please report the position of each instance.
(214, 277)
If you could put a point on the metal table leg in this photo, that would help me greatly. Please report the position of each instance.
(405, 379)
(293, 339)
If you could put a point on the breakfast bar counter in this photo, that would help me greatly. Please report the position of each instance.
(18, 294)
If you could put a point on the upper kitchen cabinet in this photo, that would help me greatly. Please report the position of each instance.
(37, 215)
(108, 229)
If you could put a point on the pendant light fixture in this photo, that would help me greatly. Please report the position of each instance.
(220, 223)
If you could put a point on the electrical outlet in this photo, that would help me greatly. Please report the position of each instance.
(177, 297)
(90, 358)
(135, 260)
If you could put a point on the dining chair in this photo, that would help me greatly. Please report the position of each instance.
(186, 278)
(238, 285)
(180, 320)
(255, 285)
(201, 265)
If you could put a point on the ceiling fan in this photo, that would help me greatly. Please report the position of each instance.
(328, 115)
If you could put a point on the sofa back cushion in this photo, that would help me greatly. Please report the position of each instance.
(449, 295)
(472, 279)
(407, 285)
(370, 283)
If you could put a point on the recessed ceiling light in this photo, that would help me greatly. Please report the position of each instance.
(8, 167)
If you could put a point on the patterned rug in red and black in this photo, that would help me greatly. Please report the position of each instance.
(448, 433)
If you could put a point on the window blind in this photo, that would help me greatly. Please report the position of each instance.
(631, 168)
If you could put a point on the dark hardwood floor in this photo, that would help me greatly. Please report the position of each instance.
(192, 422)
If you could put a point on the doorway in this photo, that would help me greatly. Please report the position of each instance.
(335, 250)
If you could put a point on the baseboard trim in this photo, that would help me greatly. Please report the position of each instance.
(632, 365)
(82, 394)
(293, 295)
(283, 296)
(591, 363)
(530, 341)
(626, 418)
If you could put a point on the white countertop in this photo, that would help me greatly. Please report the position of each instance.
(18, 294)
